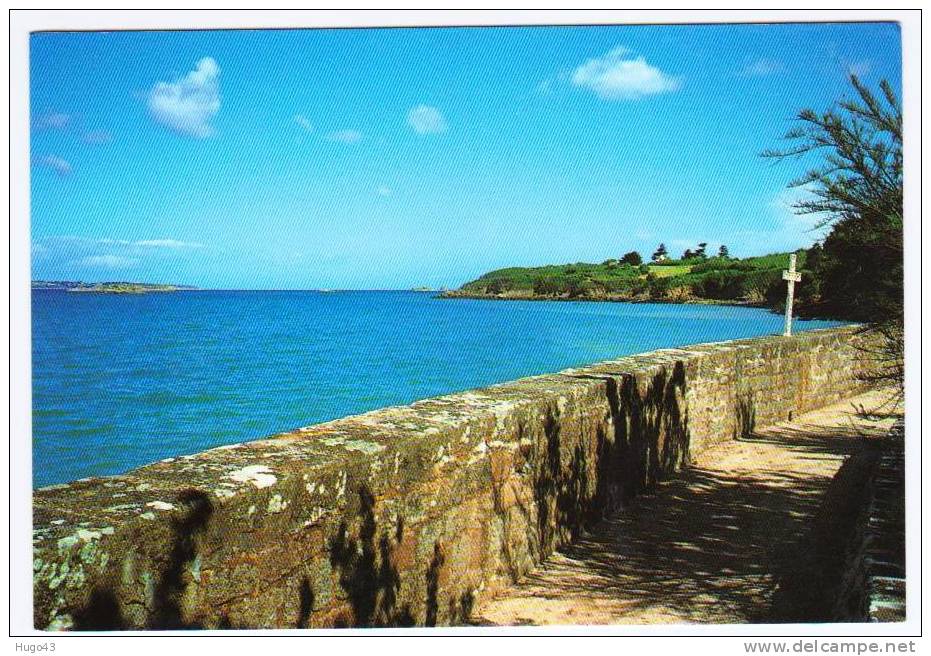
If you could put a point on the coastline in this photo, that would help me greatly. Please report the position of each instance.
(607, 298)
(108, 287)
(120, 291)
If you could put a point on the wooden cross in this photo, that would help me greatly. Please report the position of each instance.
(791, 277)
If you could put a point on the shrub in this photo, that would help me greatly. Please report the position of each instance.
(545, 287)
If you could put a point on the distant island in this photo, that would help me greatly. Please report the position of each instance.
(108, 287)
(694, 278)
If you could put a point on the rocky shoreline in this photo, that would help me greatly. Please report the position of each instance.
(605, 298)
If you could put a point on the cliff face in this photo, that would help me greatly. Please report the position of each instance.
(672, 295)
(407, 515)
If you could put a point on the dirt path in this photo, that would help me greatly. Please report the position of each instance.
(751, 532)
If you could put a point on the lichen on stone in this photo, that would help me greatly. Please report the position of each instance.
(258, 475)
(276, 504)
(161, 505)
(362, 446)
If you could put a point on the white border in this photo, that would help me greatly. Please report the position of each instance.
(22, 22)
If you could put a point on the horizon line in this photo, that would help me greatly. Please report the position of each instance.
(192, 288)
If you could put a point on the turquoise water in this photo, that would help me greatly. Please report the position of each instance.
(123, 380)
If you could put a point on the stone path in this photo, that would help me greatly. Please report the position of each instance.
(750, 533)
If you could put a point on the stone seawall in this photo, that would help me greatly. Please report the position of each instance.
(873, 586)
(408, 515)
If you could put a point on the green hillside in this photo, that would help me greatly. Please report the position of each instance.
(754, 280)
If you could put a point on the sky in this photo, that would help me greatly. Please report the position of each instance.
(394, 158)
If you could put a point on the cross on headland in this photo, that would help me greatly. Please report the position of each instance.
(791, 276)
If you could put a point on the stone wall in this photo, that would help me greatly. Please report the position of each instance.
(873, 585)
(408, 515)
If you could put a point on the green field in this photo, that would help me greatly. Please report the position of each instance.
(669, 270)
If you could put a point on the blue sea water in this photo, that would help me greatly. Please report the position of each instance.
(123, 380)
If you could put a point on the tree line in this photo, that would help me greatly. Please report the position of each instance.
(661, 254)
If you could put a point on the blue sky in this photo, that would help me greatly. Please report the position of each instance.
(401, 157)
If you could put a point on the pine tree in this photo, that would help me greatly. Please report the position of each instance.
(856, 189)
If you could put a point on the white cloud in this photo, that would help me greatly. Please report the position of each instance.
(188, 105)
(345, 136)
(167, 243)
(304, 122)
(97, 137)
(106, 262)
(762, 68)
(383, 190)
(620, 76)
(92, 246)
(53, 120)
(107, 252)
(61, 166)
(426, 120)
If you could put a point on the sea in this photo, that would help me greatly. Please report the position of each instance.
(122, 380)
